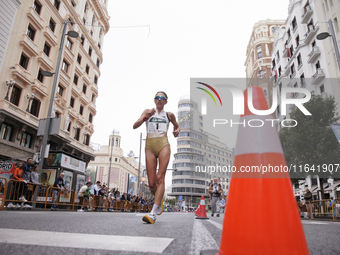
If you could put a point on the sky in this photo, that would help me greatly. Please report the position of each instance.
(158, 46)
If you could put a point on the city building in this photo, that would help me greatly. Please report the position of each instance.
(196, 148)
(122, 168)
(300, 60)
(33, 47)
(258, 55)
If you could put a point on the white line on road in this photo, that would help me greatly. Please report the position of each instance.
(314, 222)
(201, 239)
(85, 241)
(218, 225)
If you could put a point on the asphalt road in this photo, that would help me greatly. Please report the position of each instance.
(37, 232)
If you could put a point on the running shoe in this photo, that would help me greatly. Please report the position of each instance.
(80, 210)
(27, 206)
(18, 206)
(161, 207)
(149, 218)
(22, 199)
(10, 205)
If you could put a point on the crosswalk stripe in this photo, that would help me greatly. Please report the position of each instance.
(314, 222)
(201, 239)
(85, 241)
(218, 225)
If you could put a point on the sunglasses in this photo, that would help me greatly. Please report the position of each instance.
(160, 97)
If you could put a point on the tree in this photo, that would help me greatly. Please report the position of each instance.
(312, 143)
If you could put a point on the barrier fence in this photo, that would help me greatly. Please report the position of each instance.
(2, 191)
(321, 208)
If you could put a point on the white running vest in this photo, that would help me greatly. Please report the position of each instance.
(157, 125)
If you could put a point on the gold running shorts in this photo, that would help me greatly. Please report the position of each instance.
(156, 144)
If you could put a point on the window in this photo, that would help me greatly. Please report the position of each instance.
(317, 65)
(96, 80)
(30, 32)
(40, 76)
(294, 23)
(93, 97)
(57, 114)
(261, 73)
(90, 51)
(273, 64)
(47, 49)
(302, 81)
(77, 134)
(291, 51)
(259, 54)
(84, 21)
(69, 43)
(52, 25)
(87, 69)
(91, 34)
(37, 7)
(299, 60)
(24, 61)
(98, 62)
(258, 48)
(79, 59)
(64, 66)
(292, 69)
(69, 127)
(322, 88)
(297, 40)
(82, 39)
(6, 132)
(72, 102)
(280, 70)
(75, 79)
(99, 46)
(86, 139)
(15, 96)
(81, 110)
(84, 88)
(313, 43)
(60, 90)
(56, 4)
(90, 117)
(288, 33)
(35, 107)
(85, 7)
(25, 140)
(73, 3)
(278, 55)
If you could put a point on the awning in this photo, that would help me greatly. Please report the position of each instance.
(333, 187)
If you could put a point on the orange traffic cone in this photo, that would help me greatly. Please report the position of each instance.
(261, 210)
(198, 208)
(202, 214)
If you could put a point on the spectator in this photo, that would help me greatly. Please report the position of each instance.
(35, 178)
(308, 197)
(27, 169)
(96, 189)
(21, 187)
(215, 191)
(57, 184)
(84, 194)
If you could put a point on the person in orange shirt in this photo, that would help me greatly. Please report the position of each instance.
(22, 187)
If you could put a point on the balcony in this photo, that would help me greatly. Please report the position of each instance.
(39, 88)
(94, 88)
(86, 79)
(76, 90)
(29, 45)
(310, 34)
(79, 70)
(318, 76)
(45, 61)
(35, 18)
(286, 71)
(20, 73)
(286, 53)
(315, 53)
(51, 36)
(84, 99)
(20, 114)
(64, 77)
(307, 15)
(92, 107)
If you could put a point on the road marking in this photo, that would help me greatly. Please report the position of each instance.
(85, 241)
(201, 239)
(314, 222)
(218, 225)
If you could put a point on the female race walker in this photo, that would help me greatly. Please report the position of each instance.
(157, 146)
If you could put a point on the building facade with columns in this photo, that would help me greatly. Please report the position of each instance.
(258, 55)
(33, 47)
(121, 167)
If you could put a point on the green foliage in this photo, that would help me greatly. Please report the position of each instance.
(171, 202)
(312, 141)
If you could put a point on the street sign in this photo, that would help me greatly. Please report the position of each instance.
(180, 198)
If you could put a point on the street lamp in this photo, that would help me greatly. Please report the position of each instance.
(55, 81)
(30, 98)
(10, 83)
(325, 35)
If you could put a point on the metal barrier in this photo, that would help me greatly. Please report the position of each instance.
(56, 197)
(3, 192)
(337, 208)
(322, 208)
